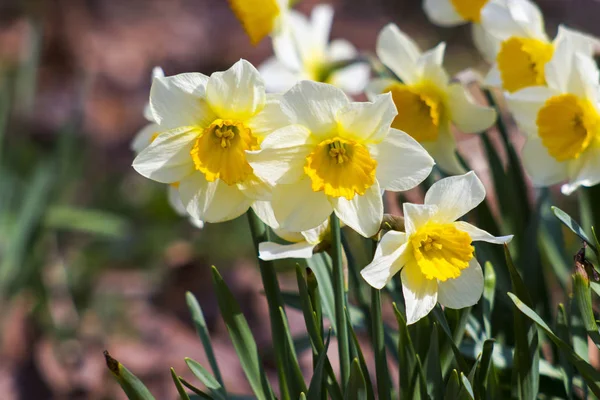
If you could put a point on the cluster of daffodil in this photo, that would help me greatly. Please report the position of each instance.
(287, 140)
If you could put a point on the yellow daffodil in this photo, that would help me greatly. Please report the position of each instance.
(427, 102)
(449, 13)
(143, 139)
(520, 48)
(336, 156)
(304, 52)
(562, 122)
(261, 17)
(206, 124)
(435, 255)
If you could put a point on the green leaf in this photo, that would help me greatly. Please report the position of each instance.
(356, 389)
(361, 359)
(466, 388)
(296, 382)
(315, 389)
(407, 359)
(432, 367)
(526, 340)
(198, 393)
(583, 296)
(202, 330)
(377, 338)
(242, 339)
(453, 386)
(95, 222)
(590, 375)
(206, 378)
(131, 385)
(485, 368)
(574, 227)
(562, 331)
(320, 265)
(418, 385)
(449, 347)
(182, 393)
(489, 291)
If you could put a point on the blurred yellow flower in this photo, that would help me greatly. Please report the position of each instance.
(259, 17)
(435, 255)
(427, 102)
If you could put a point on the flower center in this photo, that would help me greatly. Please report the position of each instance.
(341, 168)
(521, 62)
(220, 151)
(441, 251)
(469, 9)
(421, 110)
(567, 125)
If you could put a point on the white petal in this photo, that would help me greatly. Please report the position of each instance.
(541, 167)
(493, 77)
(283, 155)
(585, 171)
(442, 13)
(464, 291)
(274, 251)
(198, 223)
(237, 93)
(378, 86)
(399, 53)
(584, 78)
(256, 188)
(508, 18)
(455, 196)
(430, 66)
(277, 76)
(466, 114)
(321, 19)
(285, 48)
(362, 213)
(487, 44)
(298, 208)
(443, 151)
(269, 119)
(314, 105)
(367, 121)
(341, 49)
(420, 294)
(212, 201)
(264, 211)
(143, 138)
(318, 234)
(175, 201)
(417, 215)
(352, 79)
(167, 159)
(525, 105)
(180, 100)
(481, 235)
(383, 267)
(402, 163)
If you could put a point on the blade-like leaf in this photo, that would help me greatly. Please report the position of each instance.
(575, 228)
(198, 393)
(590, 375)
(433, 370)
(356, 389)
(453, 386)
(562, 331)
(207, 379)
(242, 339)
(182, 393)
(583, 296)
(131, 385)
(406, 355)
(489, 291)
(466, 388)
(361, 359)
(315, 389)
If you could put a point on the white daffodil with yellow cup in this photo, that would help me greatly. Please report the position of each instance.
(305, 52)
(520, 47)
(428, 103)
(206, 125)
(435, 255)
(562, 122)
(337, 156)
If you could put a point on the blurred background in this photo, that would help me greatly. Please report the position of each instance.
(91, 255)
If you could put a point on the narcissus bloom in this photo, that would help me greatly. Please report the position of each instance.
(143, 139)
(304, 52)
(426, 100)
(206, 125)
(450, 13)
(520, 48)
(261, 17)
(435, 255)
(336, 156)
(302, 244)
(562, 122)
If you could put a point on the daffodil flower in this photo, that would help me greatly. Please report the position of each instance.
(426, 100)
(260, 18)
(520, 48)
(336, 156)
(302, 244)
(143, 139)
(206, 125)
(562, 122)
(304, 52)
(435, 256)
(449, 13)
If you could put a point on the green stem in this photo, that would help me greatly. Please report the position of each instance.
(339, 295)
(381, 370)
